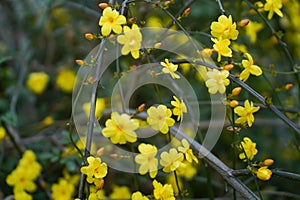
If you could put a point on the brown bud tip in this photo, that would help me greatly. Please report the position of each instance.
(186, 12)
(100, 151)
(228, 67)
(268, 162)
(167, 3)
(91, 80)
(233, 103)
(100, 185)
(103, 5)
(79, 62)
(243, 22)
(288, 86)
(89, 36)
(132, 19)
(141, 108)
(236, 91)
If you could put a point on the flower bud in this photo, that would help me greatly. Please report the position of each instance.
(89, 36)
(167, 3)
(268, 162)
(79, 62)
(91, 80)
(100, 185)
(103, 5)
(233, 103)
(236, 91)
(140, 108)
(288, 86)
(186, 12)
(264, 173)
(243, 22)
(114, 155)
(157, 45)
(100, 151)
(228, 67)
(207, 52)
(131, 20)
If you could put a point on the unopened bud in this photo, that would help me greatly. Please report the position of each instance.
(114, 155)
(186, 12)
(131, 20)
(100, 185)
(207, 52)
(111, 37)
(103, 5)
(100, 151)
(233, 103)
(236, 91)
(167, 3)
(288, 86)
(157, 45)
(268, 162)
(89, 36)
(155, 5)
(243, 22)
(79, 62)
(228, 67)
(141, 108)
(91, 80)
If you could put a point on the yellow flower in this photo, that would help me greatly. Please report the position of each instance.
(2, 133)
(138, 196)
(120, 129)
(250, 68)
(28, 160)
(263, 173)
(62, 190)
(65, 80)
(188, 153)
(132, 40)
(273, 6)
(163, 192)
(147, 159)
(248, 147)
(22, 195)
(37, 82)
(111, 20)
(252, 29)
(221, 46)
(170, 68)
(179, 109)
(224, 28)
(246, 113)
(100, 106)
(171, 161)
(21, 179)
(217, 81)
(160, 118)
(95, 169)
(120, 192)
(188, 171)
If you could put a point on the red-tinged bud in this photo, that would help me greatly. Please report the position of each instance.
(186, 12)
(141, 108)
(90, 36)
(228, 67)
(91, 80)
(268, 162)
(236, 91)
(207, 52)
(103, 5)
(111, 36)
(167, 3)
(100, 151)
(132, 19)
(243, 22)
(79, 62)
(288, 86)
(100, 185)
(155, 5)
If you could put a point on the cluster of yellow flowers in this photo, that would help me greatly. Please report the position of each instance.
(22, 178)
(111, 20)
(248, 151)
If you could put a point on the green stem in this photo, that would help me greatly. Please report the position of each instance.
(178, 186)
